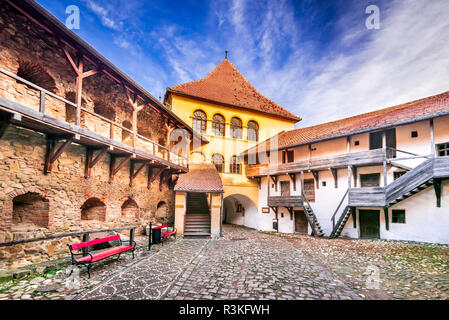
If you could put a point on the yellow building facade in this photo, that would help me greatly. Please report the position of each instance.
(231, 116)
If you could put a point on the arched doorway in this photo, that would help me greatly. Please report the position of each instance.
(240, 210)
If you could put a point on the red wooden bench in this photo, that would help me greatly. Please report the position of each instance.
(165, 234)
(90, 258)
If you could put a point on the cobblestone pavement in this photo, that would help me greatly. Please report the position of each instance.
(407, 270)
(251, 265)
(150, 277)
(247, 264)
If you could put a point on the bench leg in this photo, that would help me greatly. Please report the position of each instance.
(88, 269)
(133, 253)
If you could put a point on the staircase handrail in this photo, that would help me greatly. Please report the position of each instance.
(315, 232)
(338, 208)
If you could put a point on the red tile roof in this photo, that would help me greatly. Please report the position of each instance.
(403, 113)
(200, 178)
(227, 85)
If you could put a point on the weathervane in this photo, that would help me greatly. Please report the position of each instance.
(226, 54)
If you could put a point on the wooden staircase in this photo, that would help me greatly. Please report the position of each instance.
(197, 218)
(311, 217)
(409, 184)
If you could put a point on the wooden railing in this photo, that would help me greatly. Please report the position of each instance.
(285, 201)
(322, 163)
(157, 149)
(338, 208)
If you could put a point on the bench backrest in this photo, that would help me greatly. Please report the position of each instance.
(161, 227)
(94, 242)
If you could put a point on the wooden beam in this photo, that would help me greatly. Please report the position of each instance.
(4, 124)
(316, 176)
(275, 181)
(302, 181)
(135, 168)
(354, 216)
(153, 172)
(437, 187)
(354, 174)
(335, 175)
(115, 165)
(259, 182)
(92, 159)
(432, 139)
(290, 210)
(53, 152)
(387, 221)
(275, 209)
(293, 179)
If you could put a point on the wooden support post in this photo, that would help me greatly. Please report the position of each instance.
(354, 216)
(268, 186)
(385, 173)
(316, 176)
(275, 181)
(302, 181)
(349, 177)
(53, 152)
(354, 174)
(131, 236)
(387, 221)
(92, 160)
(293, 179)
(163, 174)
(4, 124)
(42, 102)
(290, 210)
(80, 75)
(259, 183)
(432, 139)
(153, 172)
(136, 108)
(116, 166)
(85, 250)
(437, 187)
(335, 175)
(135, 170)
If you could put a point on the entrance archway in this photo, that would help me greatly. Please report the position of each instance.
(240, 210)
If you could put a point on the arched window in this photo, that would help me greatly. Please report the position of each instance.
(253, 131)
(199, 121)
(103, 109)
(235, 165)
(36, 74)
(126, 135)
(236, 128)
(218, 125)
(93, 209)
(217, 160)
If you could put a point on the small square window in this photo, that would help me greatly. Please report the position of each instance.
(414, 134)
(357, 142)
(398, 216)
(323, 183)
(282, 215)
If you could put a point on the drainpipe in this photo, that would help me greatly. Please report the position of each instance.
(221, 216)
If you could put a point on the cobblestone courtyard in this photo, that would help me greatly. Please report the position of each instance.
(247, 264)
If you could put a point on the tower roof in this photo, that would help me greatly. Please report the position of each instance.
(226, 85)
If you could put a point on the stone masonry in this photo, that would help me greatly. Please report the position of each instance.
(33, 204)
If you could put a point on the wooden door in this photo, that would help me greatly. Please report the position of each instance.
(285, 188)
(301, 223)
(309, 189)
(370, 180)
(391, 143)
(369, 224)
(375, 140)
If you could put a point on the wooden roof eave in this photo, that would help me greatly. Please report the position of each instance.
(52, 25)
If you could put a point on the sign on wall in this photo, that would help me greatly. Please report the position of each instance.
(266, 210)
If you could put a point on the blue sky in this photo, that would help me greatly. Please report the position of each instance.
(316, 58)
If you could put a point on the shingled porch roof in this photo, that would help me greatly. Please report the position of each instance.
(200, 178)
(226, 85)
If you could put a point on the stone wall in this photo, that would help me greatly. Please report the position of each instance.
(64, 192)
(35, 205)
